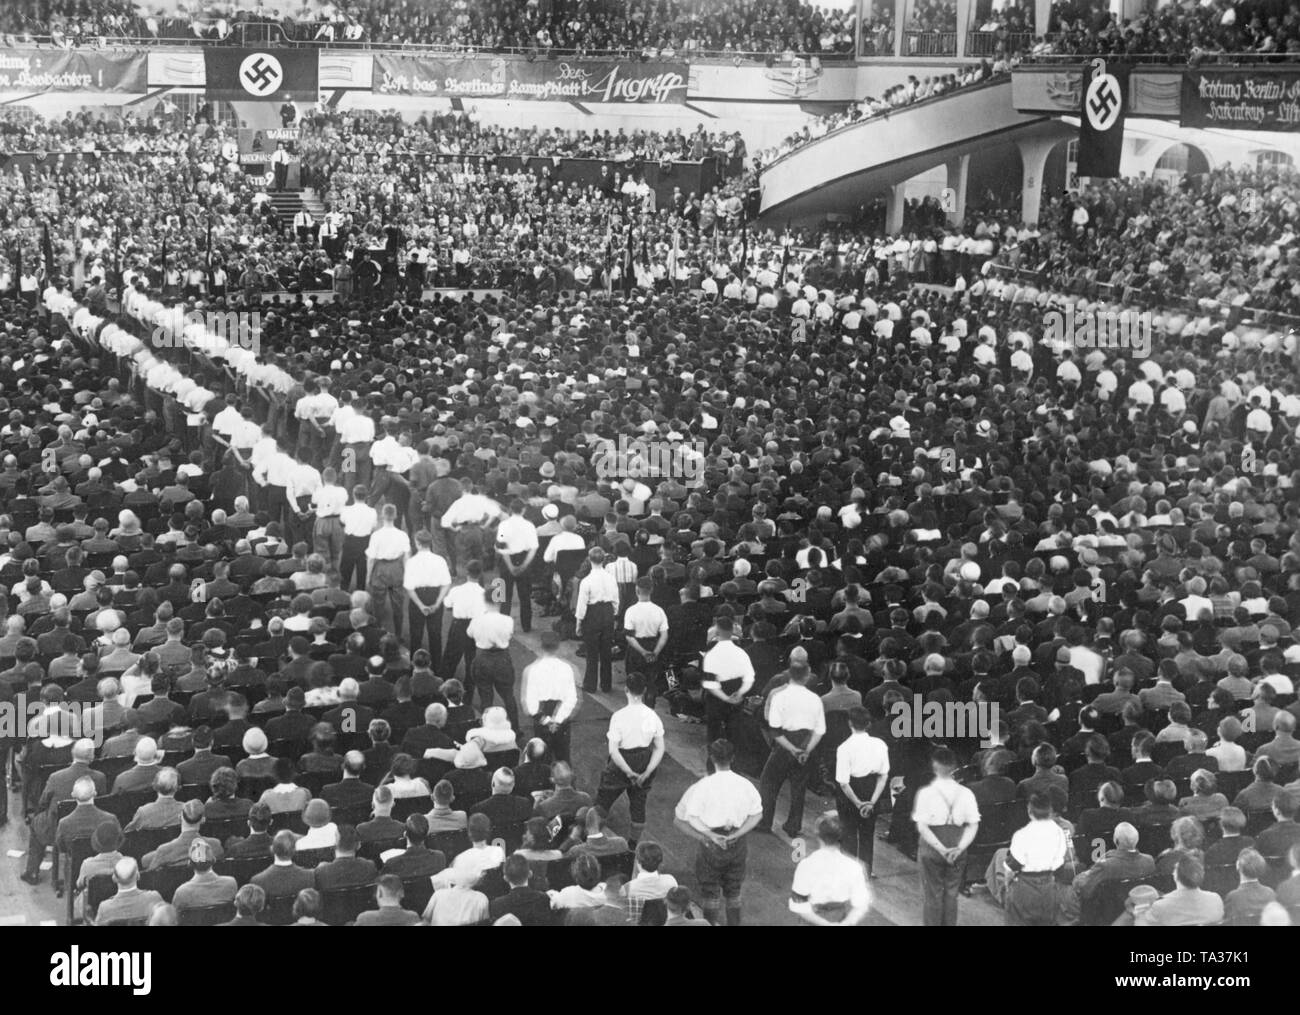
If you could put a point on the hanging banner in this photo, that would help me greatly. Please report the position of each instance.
(49, 70)
(261, 73)
(1241, 99)
(1101, 119)
(518, 79)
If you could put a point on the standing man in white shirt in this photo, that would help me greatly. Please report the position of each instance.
(728, 676)
(427, 582)
(359, 522)
(718, 812)
(947, 817)
(517, 546)
(327, 536)
(861, 775)
(275, 475)
(829, 887)
(492, 670)
(303, 484)
(386, 552)
(594, 613)
(636, 746)
(645, 626)
(466, 602)
(798, 722)
(355, 432)
(550, 696)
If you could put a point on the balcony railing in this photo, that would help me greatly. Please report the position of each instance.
(939, 44)
(993, 43)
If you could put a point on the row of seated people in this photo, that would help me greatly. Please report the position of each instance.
(552, 829)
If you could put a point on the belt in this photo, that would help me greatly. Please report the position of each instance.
(492, 648)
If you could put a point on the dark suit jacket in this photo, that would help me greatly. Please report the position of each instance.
(357, 715)
(80, 824)
(59, 785)
(278, 880)
(505, 812)
(472, 785)
(1277, 839)
(256, 844)
(348, 793)
(196, 771)
(533, 908)
(381, 830)
(290, 726)
(417, 861)
(345, 872)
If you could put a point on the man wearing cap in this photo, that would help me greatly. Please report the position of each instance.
(719, 811)
(205, 888)
(594, 610)
(386, 552)
(798, 723)
(550, 696)
(178, 849)
(516, 547)
(426, 580)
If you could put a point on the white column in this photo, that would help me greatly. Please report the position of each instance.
(894, 210)
(1033, 155)
(958, 171)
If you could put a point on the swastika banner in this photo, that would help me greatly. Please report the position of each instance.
(1101, 120)
(266, 74)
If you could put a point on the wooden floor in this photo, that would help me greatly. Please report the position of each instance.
(896, 891)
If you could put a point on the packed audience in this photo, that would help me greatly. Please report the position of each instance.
(1176, 33)
(911, 91)
(901, 491)
(664, 28)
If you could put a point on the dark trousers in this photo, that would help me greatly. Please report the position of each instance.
(422, 625)
(459, 645)
(354, 466)
(352, 563)
(557, 741)
(940, 886)
(859, 832)
(782, 766)
(636, 663)
(327, 540)
(387, 594)
(524, 582)
(614, 783)
(494, 673)
(598, 636)
(717, 718)
(277, 504)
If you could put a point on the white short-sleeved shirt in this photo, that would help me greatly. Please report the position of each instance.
(945, 802)
(794, 707)
(633, 727)
(426, 570)
(728, 661)
(645, 620)
(829, 876)
(721, 800)
(859, 756)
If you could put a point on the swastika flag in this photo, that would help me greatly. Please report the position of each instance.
(1101, 120)
(267, 74)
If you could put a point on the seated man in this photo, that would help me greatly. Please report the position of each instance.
(283, 877)
(346, 870)
(1123, 863)
(177, 851)
(417, 859)
(1244, 904)
(163, 812)
(592, 837)
(442, 818)
(205, 888)
(1188, 905)
(258, 840)
(130, 903)
(388, 894)
(507, 812)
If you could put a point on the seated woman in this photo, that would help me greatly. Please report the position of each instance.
(1205, 802)
(223, 803)
(1188, 838)
(403, 781)
(322, 832)
(496, 733)
(286, 796)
